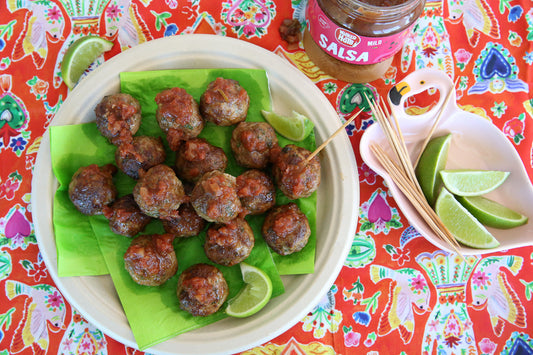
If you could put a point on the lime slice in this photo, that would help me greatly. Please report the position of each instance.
(431, 162)
(492, 213)
(80, 55)
(253, 296)
(472, 182)
(295, 127)
(462, 224)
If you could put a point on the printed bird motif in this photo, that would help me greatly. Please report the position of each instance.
(477, 18)
(44, 308)
(123, 22)
(43, 23)
(492, 291)
(408, 292)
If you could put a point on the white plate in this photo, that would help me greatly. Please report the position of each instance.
(476, 144)
(338, 194)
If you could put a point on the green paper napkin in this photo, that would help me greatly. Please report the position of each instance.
(86, 244)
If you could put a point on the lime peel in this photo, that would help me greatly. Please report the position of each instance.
(255, 294)
(432, 161)
(462, 224)
(295, 127)
(491, 213)
(465, 182)
(80, 55)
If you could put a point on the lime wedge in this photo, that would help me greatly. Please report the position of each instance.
(80, 55)
(432, 161)
(492, 213)
(462, 224)
(472, 182)
(295, 127)
(253, 296)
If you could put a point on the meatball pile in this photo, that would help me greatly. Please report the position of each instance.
(196, 193)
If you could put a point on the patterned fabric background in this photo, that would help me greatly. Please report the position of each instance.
(481, 306)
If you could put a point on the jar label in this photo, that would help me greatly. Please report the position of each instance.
(348, 46)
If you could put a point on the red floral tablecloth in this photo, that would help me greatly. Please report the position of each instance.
(487, 45)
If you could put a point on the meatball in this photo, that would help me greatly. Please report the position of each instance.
(178, 116)
(252, 142)
(92, 188)
(229, 244)
(187, 224)
(151, 260)
(196, 157)
(118, 117)
(125, 217)
(202, 290)
(286, 229)
(293, 175)
(256, 191)
(224, 102)
(215, 197)
(137, 157)
(159, 192)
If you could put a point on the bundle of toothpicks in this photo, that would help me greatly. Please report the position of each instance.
(401, 170)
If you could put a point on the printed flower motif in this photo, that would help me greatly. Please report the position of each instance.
(53, 14)
(499, 109)
(418, 283)
(362, 318)
(38, 87)
(18, 144)
(113, 12)
(528, 58)
(8, 189)
(366, 174)
(171, 30)
(515, 39)
(172, 3)
(514, 127)
(401, 256)
(487, 346)
(462, 57)
(480, 279)
(515, 13)
(351, 339)
(55, 301)
(37, 271)
(390, 75)
(329, 88)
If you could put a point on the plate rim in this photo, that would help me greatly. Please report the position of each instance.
(204, 44)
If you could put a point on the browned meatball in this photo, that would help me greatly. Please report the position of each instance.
(252, 142)
(92, 188)
(151, 260)
(196, 157)
(178, 116)
(118, 117)
(140, 155)
(215, 197)
(286, 229)
(202, 290)
(125, 217)
(224, 102)
(187, 224)
(229, 244)
(256, 191)
(293, 176)
(159, 192)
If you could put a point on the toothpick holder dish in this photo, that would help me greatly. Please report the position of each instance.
(476, 144)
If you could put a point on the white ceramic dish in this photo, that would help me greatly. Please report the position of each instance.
(95, 297)
(476, 144)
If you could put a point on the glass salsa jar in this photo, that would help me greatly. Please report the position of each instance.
(355, 40)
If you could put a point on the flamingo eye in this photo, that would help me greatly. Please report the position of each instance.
(422, 82)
